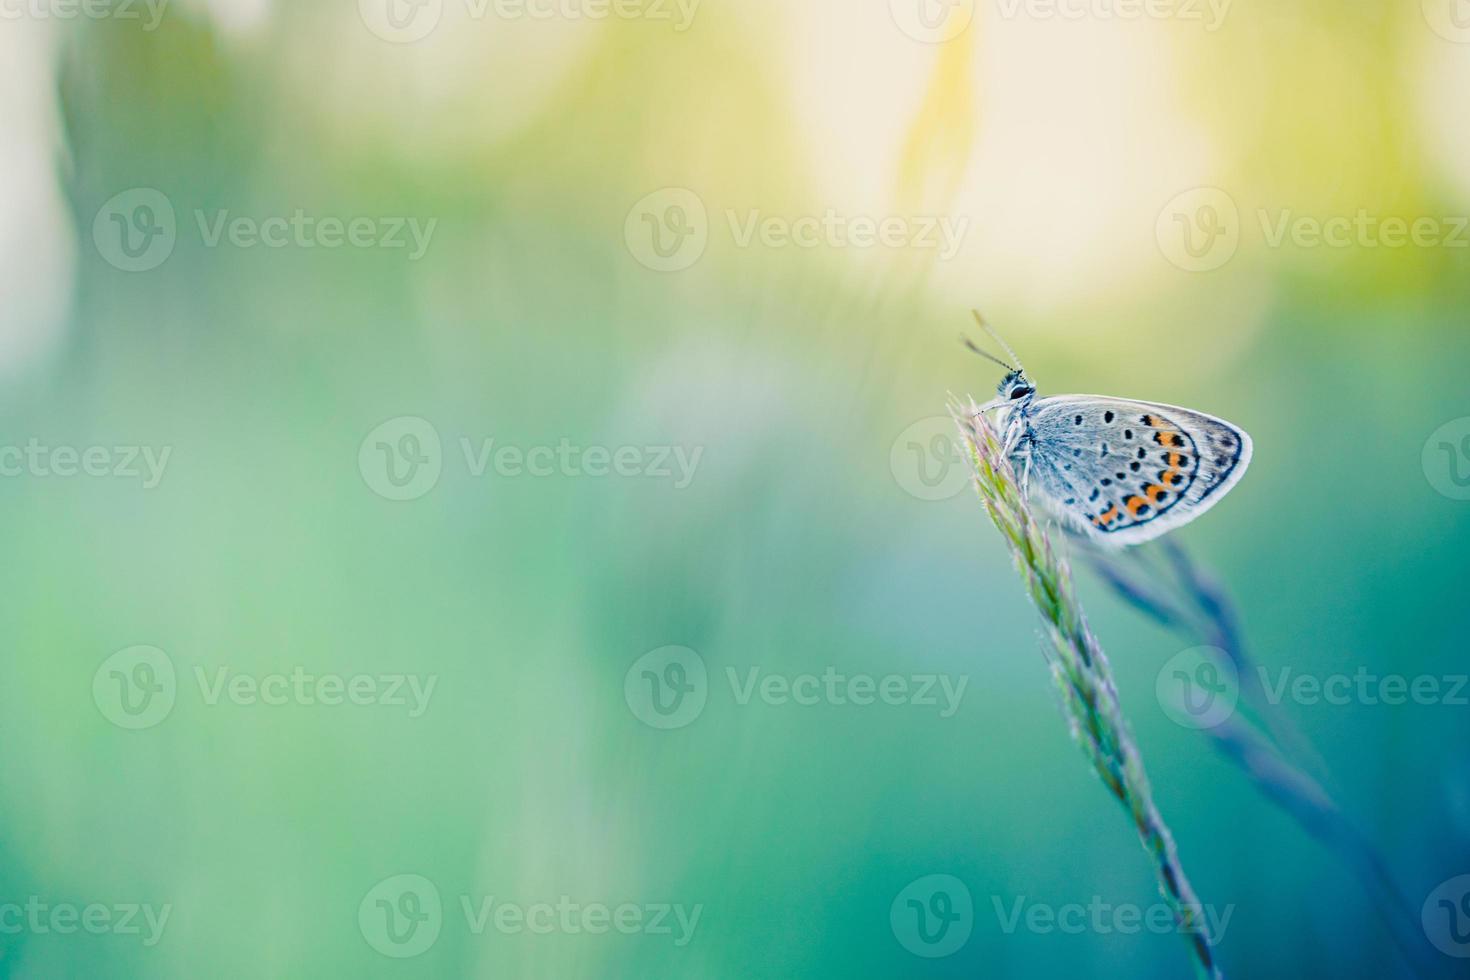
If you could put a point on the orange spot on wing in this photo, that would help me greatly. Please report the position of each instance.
(1106, 517)
(1166, 438)
(1154, 492)
(1173, 474)
(1135, 504)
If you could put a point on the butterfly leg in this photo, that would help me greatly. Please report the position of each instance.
(1015, 429)
(1019, 450)
(1023, 457)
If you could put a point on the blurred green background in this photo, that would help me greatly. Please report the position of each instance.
(1117, 188)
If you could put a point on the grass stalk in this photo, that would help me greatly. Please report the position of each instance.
(1083, 676)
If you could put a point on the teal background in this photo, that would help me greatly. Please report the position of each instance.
(798, 545)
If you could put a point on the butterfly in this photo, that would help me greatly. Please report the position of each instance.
(1120, 471)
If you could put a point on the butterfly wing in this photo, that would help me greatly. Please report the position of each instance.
(1126, 471)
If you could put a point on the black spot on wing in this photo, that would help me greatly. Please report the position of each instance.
(1225, 462)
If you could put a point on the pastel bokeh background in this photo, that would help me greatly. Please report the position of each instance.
(488, 350)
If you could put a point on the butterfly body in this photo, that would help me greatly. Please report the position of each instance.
(1121, 471)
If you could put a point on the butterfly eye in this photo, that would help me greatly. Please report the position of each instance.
(1020, 393)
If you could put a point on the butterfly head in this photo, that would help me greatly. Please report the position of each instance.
(1015, 388)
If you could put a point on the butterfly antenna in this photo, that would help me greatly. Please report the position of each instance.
(999, 340)
(985, 354)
